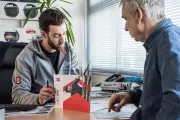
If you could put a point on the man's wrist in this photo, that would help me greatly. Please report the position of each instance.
(38, 102)
(135, 96)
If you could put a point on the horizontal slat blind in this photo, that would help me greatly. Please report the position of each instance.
(110, 47)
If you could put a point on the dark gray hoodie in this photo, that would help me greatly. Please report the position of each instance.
(32, 70)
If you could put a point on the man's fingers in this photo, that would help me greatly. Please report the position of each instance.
(42, 97)
(119, 106)
(49, 95)
(46, 93)
(112, 102)
(48, 89)
(112, 107)
(52, 87)
(121, 99)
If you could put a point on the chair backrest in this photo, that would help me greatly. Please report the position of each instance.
(8, 54)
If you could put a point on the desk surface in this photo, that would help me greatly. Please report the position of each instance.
(56, 114)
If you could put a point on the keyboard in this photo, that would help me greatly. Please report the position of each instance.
(18, 107)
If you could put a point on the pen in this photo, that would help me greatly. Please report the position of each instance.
(47, 83)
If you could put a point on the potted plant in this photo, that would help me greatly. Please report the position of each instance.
(47, 4)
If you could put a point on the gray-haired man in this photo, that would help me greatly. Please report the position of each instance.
(160, 99)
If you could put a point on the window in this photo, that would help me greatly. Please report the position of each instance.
(110, 47)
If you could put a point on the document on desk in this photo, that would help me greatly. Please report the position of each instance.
(38, 110)
(124, 113)
(98, 105)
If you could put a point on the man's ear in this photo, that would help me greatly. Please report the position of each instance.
(139, 14)
(43, 34)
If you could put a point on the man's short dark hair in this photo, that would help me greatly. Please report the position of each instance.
(50, 17)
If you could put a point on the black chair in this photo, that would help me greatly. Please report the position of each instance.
(8, 54)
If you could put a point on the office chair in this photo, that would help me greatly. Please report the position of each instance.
(8, 54)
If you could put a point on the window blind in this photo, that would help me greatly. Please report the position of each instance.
(110, 47)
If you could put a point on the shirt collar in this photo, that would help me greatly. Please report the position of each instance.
(149, 41)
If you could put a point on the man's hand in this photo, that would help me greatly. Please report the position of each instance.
(121, 98)
(46, 93)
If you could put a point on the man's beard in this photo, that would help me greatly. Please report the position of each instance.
(52, 45)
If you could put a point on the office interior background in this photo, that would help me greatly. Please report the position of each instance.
(99, 34)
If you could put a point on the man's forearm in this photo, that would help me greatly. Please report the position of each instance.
(25, 98)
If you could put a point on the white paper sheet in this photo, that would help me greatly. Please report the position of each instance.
(125, 112)
(98, 105)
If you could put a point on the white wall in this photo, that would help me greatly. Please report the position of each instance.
(77, 11)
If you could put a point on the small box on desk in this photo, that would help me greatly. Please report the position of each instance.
(72, 92)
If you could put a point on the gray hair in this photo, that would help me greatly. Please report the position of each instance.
(154, 9)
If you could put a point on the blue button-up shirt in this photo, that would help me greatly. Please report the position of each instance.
(161, 89)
